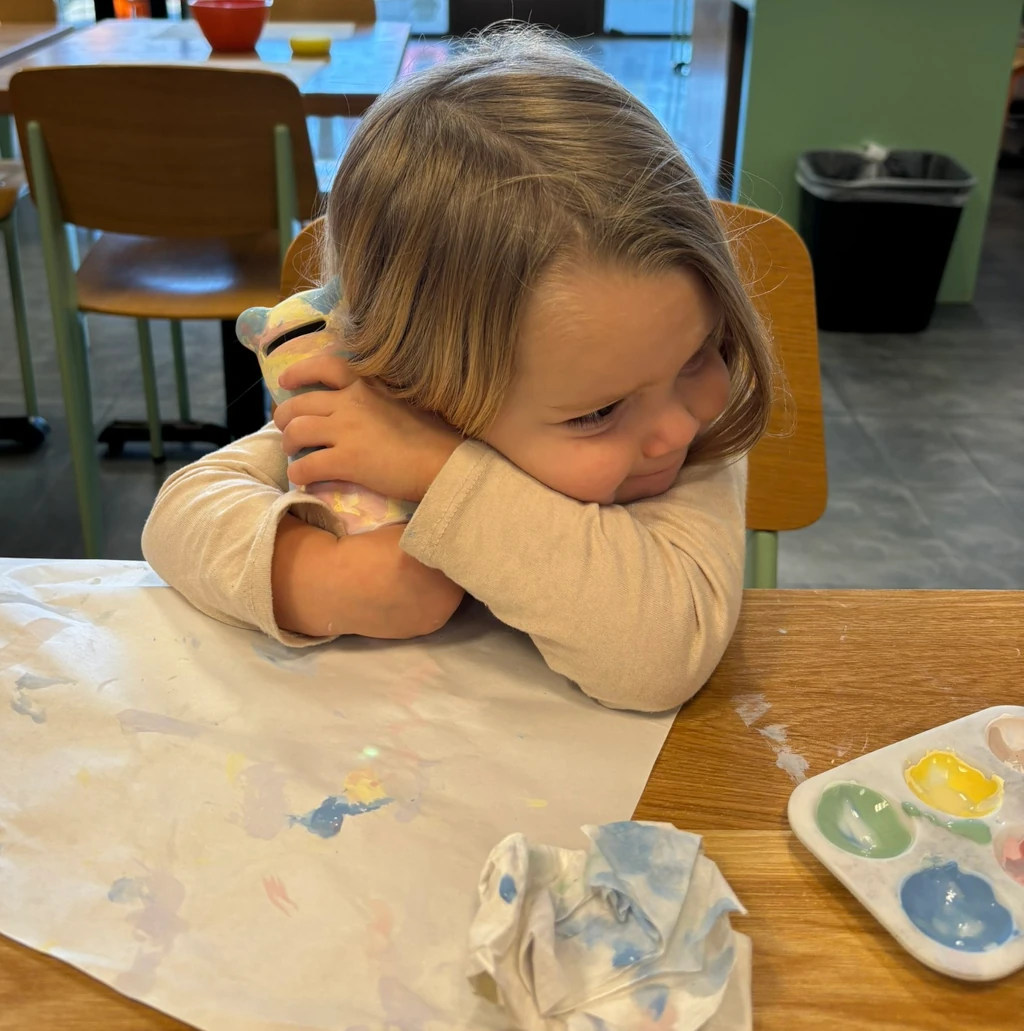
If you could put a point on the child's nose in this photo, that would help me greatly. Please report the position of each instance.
(674, 431)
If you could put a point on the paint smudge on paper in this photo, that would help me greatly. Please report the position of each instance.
(296, 660)
(25, 706)
(264, 807)
(278, 895)
(750, 707)
(84, 777)
(536, 803)
(507, 889)
(157, 924)
(142, 722)
(363, 794)
(233, 765)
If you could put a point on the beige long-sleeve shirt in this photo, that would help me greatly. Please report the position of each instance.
(634, 603)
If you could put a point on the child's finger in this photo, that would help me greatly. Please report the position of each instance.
(316, 402)
(316, 467)
(323, 369)
(305, 431)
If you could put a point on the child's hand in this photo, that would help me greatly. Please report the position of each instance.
(367, 436)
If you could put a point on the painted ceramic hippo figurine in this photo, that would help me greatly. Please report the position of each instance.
(302, 326)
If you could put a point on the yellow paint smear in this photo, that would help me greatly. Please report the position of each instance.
(945, 782)
(363, 786)
(84, 777)
(536, 803)
(234, 764)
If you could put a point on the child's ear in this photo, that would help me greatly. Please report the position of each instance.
(250, 326)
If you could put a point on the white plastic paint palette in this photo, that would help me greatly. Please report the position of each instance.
(928, 834)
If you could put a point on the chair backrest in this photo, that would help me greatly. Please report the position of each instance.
(166, 150)
(43, 12)
(788, 485)
(302, 267)
(362, 12)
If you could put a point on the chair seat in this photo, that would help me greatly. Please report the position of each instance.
(13, 186)
(165, 278)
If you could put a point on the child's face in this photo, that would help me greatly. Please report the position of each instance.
(617, 373)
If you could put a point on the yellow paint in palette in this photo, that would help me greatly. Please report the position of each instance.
(945, 782)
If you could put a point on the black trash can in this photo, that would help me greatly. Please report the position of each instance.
(879, 230)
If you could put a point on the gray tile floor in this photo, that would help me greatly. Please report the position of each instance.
(925, 433)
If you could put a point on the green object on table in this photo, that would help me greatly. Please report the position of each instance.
(180, 371)
(156, 437)
(28, 378)
(762, 568)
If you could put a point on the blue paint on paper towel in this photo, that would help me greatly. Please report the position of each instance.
(325, 821)
(627, 954)
(653, 998)
(638, 849)
(507, 889)
(956, 908)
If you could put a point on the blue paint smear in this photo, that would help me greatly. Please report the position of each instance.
(633, 848)
(23, 707)
(507, 889)
(626, 954)
(653, 998)
(325, 821)
(124, 889)
(34, 682)
(956, 909)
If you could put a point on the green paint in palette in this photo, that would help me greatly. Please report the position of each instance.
(861, 821)
(975, 830)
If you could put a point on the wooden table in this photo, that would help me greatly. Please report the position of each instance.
(364, 60)
(18, 38)
(845, 672)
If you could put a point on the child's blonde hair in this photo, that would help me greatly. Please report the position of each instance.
(464, 184)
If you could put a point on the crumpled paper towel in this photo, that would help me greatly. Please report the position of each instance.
(631, 935)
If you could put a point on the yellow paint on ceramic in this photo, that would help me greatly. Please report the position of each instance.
(234, 764)
(84, 777)
(945, 782)
(537, 803)
(363, 786)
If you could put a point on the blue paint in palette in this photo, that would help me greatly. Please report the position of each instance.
(507, 889)
(325, 821)
(956, 908)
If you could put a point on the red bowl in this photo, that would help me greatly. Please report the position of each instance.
(231, 24)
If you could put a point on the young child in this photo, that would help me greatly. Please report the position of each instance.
(553, 356)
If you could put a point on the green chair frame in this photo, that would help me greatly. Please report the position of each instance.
(762, 566)
(59, 245)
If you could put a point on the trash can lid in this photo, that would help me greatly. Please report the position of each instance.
(901, 176)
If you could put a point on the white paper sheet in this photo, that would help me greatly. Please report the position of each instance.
(248, 837)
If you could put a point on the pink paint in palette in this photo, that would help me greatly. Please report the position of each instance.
(928, 834)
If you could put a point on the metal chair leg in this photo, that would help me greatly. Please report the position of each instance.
(156, 433)
(180, 371)
(762, 567)
(28, 378)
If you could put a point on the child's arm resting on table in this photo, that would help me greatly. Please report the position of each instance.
(635, 604)
(228, 534)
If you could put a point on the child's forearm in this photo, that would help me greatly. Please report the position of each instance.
(325, 585)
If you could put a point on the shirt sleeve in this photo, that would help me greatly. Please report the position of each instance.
(634, 603)
(212, 530)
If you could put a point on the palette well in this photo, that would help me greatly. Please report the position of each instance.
(928, 834)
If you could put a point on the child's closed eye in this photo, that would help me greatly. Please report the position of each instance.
(595, 418)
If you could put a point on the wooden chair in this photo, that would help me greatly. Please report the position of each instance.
(788, 485)
(28, 430)
(196, 178)
(362, 12)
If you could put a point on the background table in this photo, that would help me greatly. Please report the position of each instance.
(845, 672)
(361, 66)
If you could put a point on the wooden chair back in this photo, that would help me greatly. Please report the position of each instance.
(303, 264)
(166, 151)
(362, 12)
(788, 486)
(42, 12)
